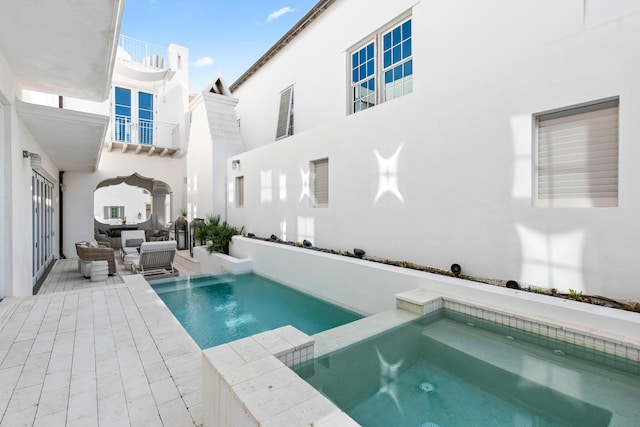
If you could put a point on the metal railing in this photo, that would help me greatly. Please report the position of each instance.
(144, 132)
(143, 53)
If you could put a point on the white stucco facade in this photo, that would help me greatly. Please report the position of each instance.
(445, 174)
(214, 137)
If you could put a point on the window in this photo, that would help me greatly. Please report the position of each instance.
(320, 183)
(122, 119)
(577, 156)
(113, 212)
(129, 115)
(239, 190)
(145, 116)
(285, 114)
(394, 46)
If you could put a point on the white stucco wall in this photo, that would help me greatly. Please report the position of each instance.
(461, 191)
(213, 141)
(199, 160)
(16, 228)
(78, 196)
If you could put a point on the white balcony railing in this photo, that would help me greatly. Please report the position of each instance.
(144, 132)
(143, 53)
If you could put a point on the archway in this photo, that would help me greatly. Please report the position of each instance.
(133, 201)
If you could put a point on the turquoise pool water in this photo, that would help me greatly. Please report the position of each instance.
(449, 369)
(219, 309)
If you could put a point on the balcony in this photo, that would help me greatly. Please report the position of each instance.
(141, 54)
(144, 136)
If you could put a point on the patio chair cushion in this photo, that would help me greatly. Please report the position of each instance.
(133, 243)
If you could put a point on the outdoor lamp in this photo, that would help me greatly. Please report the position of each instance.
(456, 269)
(512, 284)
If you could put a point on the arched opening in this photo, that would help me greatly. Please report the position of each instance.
(131, 202)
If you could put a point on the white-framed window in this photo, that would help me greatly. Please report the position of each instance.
(285, 114)
(133, 118)
(381, 67)
(319, 183)
(239, 191)
(576, 155)
(113, 212)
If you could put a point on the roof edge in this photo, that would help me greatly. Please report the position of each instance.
(311, 16)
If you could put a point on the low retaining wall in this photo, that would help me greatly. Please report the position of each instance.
(368, 288)
(217, 263)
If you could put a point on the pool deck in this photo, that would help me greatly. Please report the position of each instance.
(84, 353)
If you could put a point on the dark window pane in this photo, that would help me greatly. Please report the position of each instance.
(355, 75)
(363, 72)
(387, 58)
(397, 54)
(123, 110)
(406, 29)
(145, 100)
(408, 68)
(123, 96)
(370, 51)
(397, 73)
(388, 77)
(396, 36)
(372, 84)
(406, 49)
(370, 68)
(354, 60)
(386, 41)
(363, 55)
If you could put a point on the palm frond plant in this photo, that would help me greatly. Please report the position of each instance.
(218, 235)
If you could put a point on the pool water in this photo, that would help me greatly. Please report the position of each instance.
(219, 309)
(447, 369)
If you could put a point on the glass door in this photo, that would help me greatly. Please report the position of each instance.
(41, 224)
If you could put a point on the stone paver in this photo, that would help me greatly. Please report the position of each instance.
(96, 354)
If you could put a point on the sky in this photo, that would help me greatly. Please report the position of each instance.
(223, 36)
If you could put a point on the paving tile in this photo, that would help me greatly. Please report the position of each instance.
(34, 370)
(164, 391)
(9, 378)
(59, 419)
(83, 406)
(17, 354)
(175, 413)
(113, 410)
(84, 382)
(19, 419)
(52, 402)
(143, 412)
(57, 380)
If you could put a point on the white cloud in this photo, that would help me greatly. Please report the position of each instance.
(203, 62)
(278, 13)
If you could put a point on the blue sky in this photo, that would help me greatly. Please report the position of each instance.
(225, 36)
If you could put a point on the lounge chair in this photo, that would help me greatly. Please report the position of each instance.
(155, 256)
(131, 241)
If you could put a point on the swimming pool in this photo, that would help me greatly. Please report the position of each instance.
(219, 309)
(450, 369)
